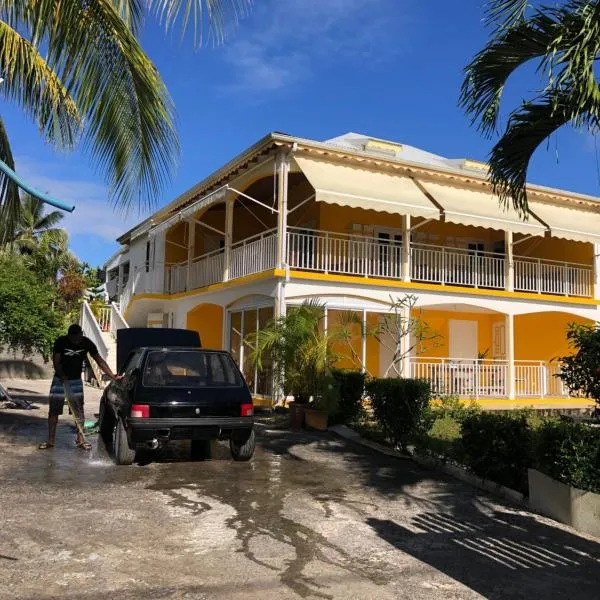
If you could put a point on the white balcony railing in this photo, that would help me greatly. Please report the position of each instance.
(551, 277)
(253, 255)
(176, 278)
(344, 254)
(207, 269)
(488, 378)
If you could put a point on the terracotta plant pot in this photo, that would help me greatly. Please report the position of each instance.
(315, 419)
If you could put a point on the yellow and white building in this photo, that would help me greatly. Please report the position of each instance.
(353, 220)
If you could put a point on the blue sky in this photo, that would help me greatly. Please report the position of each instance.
(312, 68)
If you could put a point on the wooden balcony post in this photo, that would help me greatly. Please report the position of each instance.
(228, 238)
(282, 202)
(596, 289)
(190, 252)
(510, 356)
(406, 248)
(509, 262)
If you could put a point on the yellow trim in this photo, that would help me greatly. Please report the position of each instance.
(262, 401)
(438, 287)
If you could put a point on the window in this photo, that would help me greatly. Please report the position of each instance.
(190, 368)
(132, 362)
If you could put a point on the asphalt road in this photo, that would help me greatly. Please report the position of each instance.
(310, 517)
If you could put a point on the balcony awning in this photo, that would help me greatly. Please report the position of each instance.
(361, 188)
(480, 209)
(569, 223)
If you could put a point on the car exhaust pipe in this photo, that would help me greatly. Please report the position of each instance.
(153, 444)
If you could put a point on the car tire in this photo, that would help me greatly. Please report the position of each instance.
(106, 423)
(243, 449)
(124, 455)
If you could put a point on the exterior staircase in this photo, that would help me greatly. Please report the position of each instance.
(102, 330)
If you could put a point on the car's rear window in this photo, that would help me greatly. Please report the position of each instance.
(181, 368)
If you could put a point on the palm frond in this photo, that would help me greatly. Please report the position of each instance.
(10, 205)
(128, 112)
(212, 15)
(505, 13)
(132, 12)
(33, 83)
(527, 128)
(486, 76)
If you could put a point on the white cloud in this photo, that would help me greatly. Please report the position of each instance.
(286, 40)
(93, 213)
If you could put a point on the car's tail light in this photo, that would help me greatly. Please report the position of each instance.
(247, 410)
(140, 411)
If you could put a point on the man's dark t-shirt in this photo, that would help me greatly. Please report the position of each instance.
(72, 355)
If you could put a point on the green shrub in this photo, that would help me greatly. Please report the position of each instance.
(443, 438)
(498, 447)
(328, 397)
(570, 453)
(351, 389)
(399, 406)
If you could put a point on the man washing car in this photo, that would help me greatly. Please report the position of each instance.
(68, 355)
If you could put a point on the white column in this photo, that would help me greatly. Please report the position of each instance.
(510, 356)
(596, 271)
(282, 199)
(406, 248)
(363, 335)
(325, 320)
(509, 262)
(120, 281)
(190, 252)
(228, 238)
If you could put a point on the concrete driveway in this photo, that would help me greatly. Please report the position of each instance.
(309, 517)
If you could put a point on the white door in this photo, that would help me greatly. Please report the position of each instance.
(463, 339)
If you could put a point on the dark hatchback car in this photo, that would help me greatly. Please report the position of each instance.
(177, 393)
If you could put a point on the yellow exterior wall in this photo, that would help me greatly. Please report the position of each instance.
(207, 320)
(556, 249)
(340, 347)
(373, 351)
(339, 219)
(543, 336)
(176, 254)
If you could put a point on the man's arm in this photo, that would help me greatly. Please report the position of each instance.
(58, 365)
(104, 367)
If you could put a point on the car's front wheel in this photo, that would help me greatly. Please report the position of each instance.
(243, 449)
(124, 455)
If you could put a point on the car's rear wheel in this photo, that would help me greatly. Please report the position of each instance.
(243, 448)
(124, 455)
(106, 423)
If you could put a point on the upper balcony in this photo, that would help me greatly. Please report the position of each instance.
(367, 224)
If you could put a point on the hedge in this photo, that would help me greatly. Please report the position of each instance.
(399, 406)
(351, 389)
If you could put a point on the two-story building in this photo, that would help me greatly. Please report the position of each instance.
(353, 221)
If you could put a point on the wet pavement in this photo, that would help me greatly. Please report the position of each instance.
(310, 517)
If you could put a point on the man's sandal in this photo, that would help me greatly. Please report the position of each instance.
(84, 445)
(45, 446)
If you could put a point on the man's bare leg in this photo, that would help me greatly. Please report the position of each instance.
(52, 422)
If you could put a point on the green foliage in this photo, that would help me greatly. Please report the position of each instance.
(442, 439)
(581, 371)
(452, 407)
(570, 453)
(399, 406)
(351, 389)
(499, 447)
(28, 319)
(563, 40)
(328, 398)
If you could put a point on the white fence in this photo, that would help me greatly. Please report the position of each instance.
(253, 255)
(91, 329)
(207, 269)
(550, 277)
(488, 378)
(117, 321)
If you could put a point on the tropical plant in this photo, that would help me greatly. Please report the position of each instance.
(401, 330)
(32, 222)
(564, 41)
(580, 371)
(298, 348)
(78, 70)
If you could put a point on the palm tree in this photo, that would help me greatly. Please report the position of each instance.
(78, 70)
(564, 39)
(33, 223)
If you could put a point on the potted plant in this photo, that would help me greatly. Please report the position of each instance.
(300, 352)
(317, 413)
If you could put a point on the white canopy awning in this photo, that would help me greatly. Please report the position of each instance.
(480, 209)
(336, 183)
(212, 198)
(569, 223)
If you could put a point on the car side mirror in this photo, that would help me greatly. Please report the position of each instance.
(130, 380)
